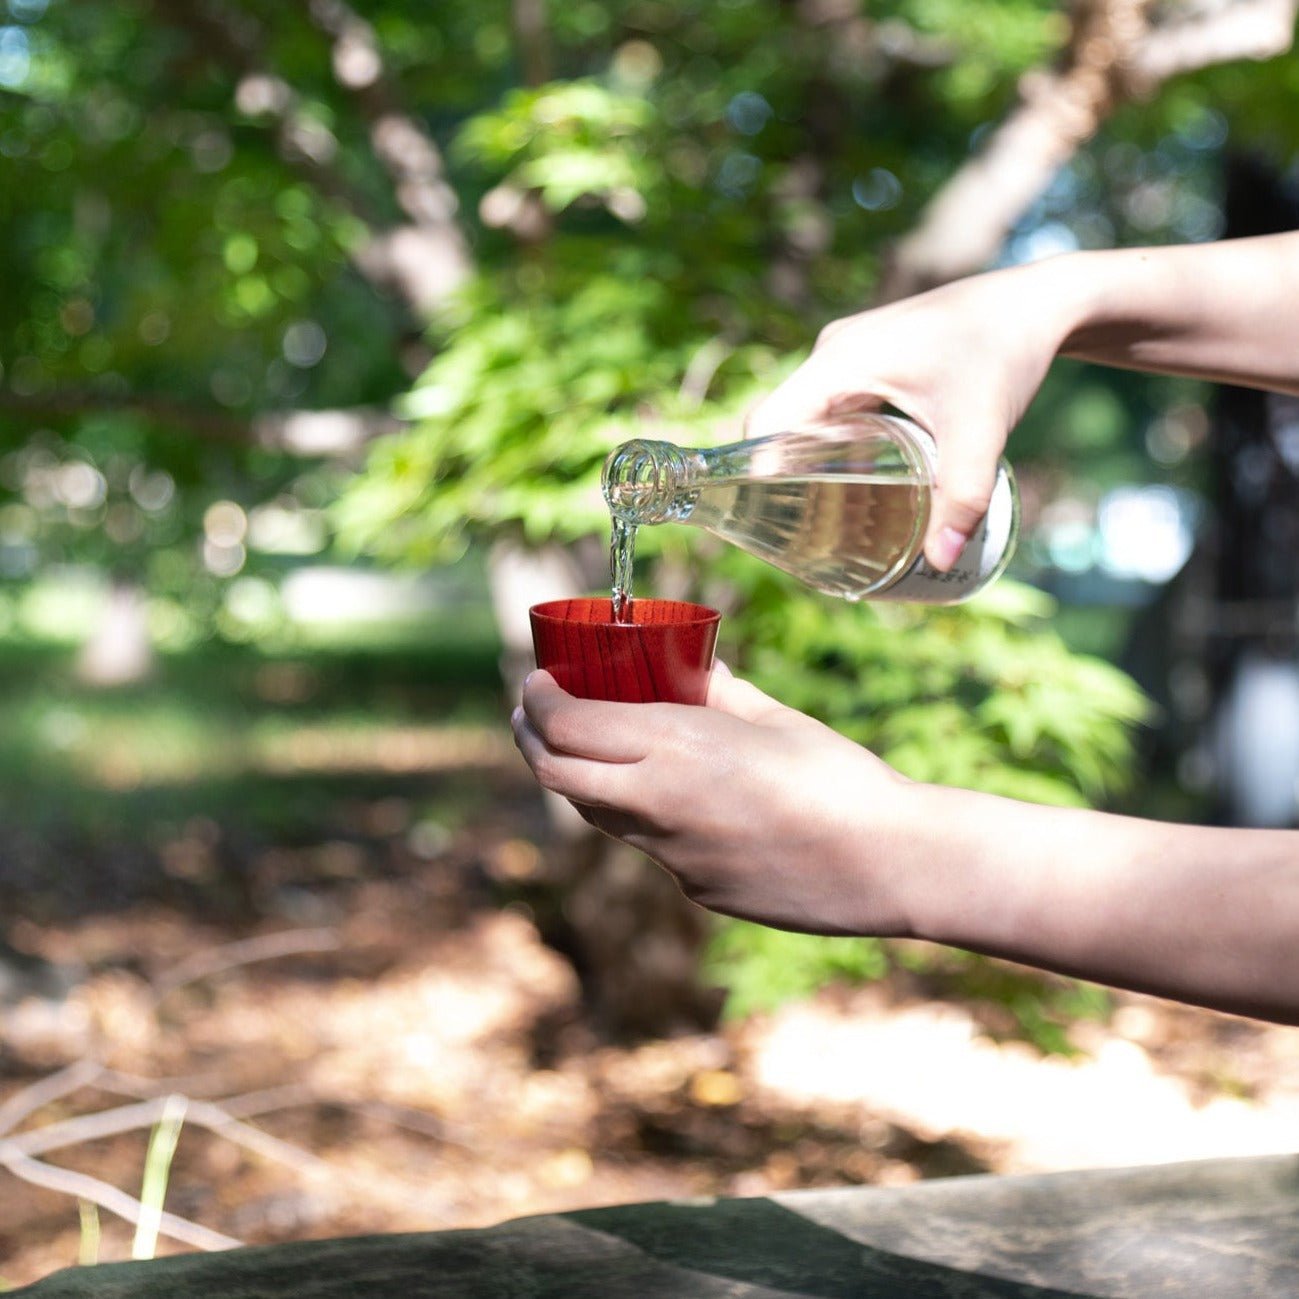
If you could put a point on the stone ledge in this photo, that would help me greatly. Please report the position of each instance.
(1219, 1229)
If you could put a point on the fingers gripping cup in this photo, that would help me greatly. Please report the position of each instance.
(664, 656)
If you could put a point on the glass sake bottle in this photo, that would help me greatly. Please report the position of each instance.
(843, 506)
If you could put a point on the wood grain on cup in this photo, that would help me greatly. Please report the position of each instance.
(665, 655)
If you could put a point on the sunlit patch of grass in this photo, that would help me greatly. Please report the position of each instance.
(219, 727)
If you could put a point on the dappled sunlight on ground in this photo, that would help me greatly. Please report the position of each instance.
(301, 751)
(928, 1067)
(397, 1061)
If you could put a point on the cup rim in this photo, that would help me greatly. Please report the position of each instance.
(699, 615)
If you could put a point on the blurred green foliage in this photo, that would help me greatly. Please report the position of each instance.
(984, 696)
(515, 417)
(658, 232)
(763, 968)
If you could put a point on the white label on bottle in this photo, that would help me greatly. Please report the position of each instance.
(983, 553)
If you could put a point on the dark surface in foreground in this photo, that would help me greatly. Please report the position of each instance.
(1200, 1231)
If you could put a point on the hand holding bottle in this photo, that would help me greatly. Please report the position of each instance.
(963, 361)
(842, 507)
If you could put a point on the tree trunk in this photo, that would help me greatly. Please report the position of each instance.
(636, 942)
(531, 39)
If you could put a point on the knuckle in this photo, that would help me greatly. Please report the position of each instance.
(827, 334)
(671, 724)
(560, 731)
(835, 329)
(547, 768)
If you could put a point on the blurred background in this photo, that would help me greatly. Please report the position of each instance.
(315, 326)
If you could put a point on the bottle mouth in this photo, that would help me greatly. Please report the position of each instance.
(638, 481)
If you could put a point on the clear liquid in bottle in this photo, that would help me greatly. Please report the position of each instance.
(843, 535)
(843, 508)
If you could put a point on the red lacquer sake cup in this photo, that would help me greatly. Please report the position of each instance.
(664, 655)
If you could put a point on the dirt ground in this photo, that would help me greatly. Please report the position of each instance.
(421, 1060)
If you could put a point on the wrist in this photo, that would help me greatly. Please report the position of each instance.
(1069, 295)
(939, 862)
(977, 877)
(1114, 299)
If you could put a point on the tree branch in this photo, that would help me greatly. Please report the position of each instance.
(423, 261)
(967, 221)
(1219, 32)
(528, 18)
(324, 433)
(45, 1090)
(215, 425)
(428, 259)
(144, 1114)
(84, 1187)
(338, 434)
(1113, 56)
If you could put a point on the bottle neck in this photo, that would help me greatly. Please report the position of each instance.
(652, 482)
(659, 482)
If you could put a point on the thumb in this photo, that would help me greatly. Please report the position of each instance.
(967, 473)
(742, 699)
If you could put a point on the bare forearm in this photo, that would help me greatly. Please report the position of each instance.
(1227, 311)
(1209, 916)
